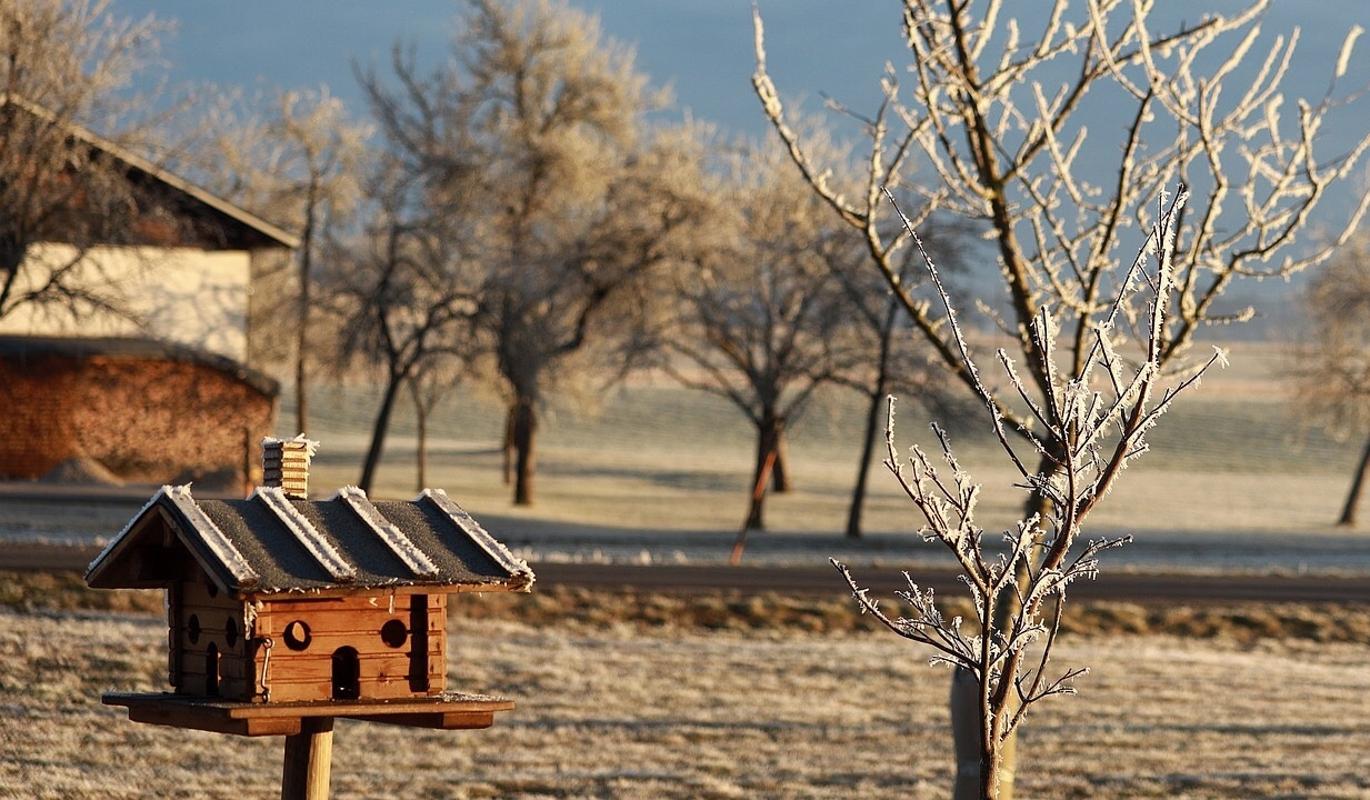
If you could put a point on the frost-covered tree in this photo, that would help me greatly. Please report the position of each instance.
(297, 158)
(314, 180)
(762, 317)
(64, 71)
(535, 131)
(988, 111)
(431, 382)
(1333, 369)
(1090, 426)
(403, 293)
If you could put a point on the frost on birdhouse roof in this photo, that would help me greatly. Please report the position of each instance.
(273, 543)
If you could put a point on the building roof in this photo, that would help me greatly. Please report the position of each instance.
(272, 543)
(21, 347)
(264, 231)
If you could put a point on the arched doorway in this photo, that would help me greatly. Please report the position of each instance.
(347, 673)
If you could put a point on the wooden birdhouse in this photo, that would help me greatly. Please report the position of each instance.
(283, 610)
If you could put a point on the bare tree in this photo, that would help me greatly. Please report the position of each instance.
(64, 68)
(430, 382)
(764, 320)
(314, 180)
(1000, 138)
(893, 363)
(1333, 370)
(535, 132)
(297, 159)
(403, 296)
(1091, 425)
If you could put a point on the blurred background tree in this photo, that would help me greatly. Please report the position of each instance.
(404, 293)
(297, 158)
(762, 318)
(535, 131)
(1332, 366)
(64, 71)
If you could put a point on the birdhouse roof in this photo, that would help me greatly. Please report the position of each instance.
(272, 543)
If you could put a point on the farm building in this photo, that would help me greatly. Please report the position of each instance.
(280, 599)
(182, 323)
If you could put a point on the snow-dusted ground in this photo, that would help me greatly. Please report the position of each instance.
(617, 711)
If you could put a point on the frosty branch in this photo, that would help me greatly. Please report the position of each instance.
(999, 136)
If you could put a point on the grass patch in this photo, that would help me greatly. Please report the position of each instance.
(632, 711)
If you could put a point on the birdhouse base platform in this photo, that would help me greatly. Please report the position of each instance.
(447, 711)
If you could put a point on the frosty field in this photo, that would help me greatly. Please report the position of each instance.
(652, 456)
(645, 697)
(616, 709)
(1234, 480)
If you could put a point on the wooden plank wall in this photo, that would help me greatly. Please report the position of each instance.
(219, 619)
(386, 671)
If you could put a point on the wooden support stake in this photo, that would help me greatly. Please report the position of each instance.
(758, 490)
(308, 760)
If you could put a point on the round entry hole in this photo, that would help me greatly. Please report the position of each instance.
(393, 633)
(297, 635)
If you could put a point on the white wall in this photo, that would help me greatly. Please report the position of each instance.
(184, 295)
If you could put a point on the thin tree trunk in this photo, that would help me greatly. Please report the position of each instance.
(378, 431)
(302, 342)
(858, 495)
(12, 256)
(525, 434)
(1348, 511)
(969, 751)
(768, 434)
(965, 733)
(507, 446)
(249, 458)
(972, 778)
(758, 489)
(421, 432)
(881, 388)
(781, 482)
(994, 780)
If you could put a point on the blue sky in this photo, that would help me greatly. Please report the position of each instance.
(702, 48)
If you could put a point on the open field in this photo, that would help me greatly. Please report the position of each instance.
(613, 707)
(659, 473)
(1231, 456)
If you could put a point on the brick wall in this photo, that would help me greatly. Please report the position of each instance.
(146, 419)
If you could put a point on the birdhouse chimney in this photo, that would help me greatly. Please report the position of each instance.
(285, 464)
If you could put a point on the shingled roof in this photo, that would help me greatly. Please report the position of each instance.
(252, 229)
(272, 543)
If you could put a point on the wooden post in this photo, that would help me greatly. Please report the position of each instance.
(308, 760)
(758, 492)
